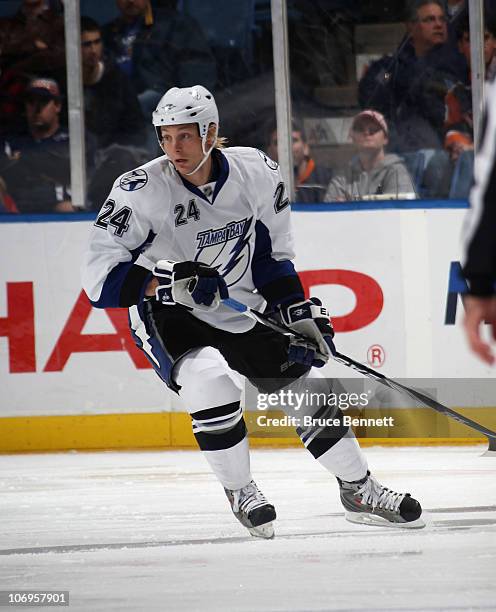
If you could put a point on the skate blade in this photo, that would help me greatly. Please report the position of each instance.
(263, 531)
(378, 521)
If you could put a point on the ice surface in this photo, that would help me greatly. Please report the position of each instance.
(133, 531)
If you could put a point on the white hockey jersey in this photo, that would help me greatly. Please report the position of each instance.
(239, 225)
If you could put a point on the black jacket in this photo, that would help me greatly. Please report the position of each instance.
(37, 172)
(112, 111)
(173, 51)
(410, 92)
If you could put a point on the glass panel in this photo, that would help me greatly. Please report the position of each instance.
(34, 143)
(130, 61)
(381, 100)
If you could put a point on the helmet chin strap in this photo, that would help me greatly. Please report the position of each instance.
(205, 153)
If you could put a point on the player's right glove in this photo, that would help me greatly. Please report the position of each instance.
(190, 283)
(312, 320)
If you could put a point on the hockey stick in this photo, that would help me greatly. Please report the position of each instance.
(363, 369)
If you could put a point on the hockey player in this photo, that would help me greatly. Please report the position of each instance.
(175, 237)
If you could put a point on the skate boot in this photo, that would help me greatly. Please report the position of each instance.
(252, 510)
(369, 503)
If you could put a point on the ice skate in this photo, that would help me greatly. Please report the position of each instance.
(252, 510)
(369, 503)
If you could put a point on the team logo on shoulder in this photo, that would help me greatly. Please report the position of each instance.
(227, 249)
(132, 181)
(269, 162)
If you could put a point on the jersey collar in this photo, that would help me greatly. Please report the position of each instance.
(220, 175)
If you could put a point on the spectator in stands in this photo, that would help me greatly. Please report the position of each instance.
(36, 168)
(409, 87)
(371, 172)
(32, 40)
(112, 111)
(115, 125)
(158, 49)
(311, 180)
(463, 39)
(458, 141)
(31, 43)
(459, 97)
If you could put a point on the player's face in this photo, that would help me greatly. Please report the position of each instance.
(430, 27)
(183, 146)
(368, 135)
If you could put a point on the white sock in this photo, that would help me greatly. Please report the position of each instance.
(231, 465)
(345, 460)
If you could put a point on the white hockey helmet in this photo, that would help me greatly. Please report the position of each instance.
(181, 105)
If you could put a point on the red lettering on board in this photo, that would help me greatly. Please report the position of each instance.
(18, 327)
(368, 294)
(73, 341)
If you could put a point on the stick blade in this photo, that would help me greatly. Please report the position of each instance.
(491, 450)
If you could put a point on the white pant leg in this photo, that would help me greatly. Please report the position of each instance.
(337, 451)
(211, 392)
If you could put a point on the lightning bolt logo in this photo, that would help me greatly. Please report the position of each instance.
(236, 252)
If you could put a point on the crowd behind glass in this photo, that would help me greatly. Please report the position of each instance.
(381, 92)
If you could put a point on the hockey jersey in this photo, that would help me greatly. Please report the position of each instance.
(240, 225)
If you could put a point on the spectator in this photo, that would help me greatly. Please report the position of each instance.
(37, 171)
(112, 111)
(158, 49)
(115, 126)
(371, 172)
(31, 43)
(32, 40)
(463, 40)
(459, 98)
(409, 87)
(459, 118)
(310, 180)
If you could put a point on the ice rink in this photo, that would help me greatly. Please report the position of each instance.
(153, 531)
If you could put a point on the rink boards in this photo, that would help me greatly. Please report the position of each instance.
(72, 378)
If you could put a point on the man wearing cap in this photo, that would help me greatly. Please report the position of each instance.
(37, 173)
(371, 172)
(31, 43)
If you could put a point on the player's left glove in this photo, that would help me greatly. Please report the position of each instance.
(190, 283)
(312, 320)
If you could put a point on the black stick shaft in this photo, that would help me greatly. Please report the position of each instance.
(365, 371)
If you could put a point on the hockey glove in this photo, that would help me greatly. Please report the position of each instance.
(190, 283)
(312, 320)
